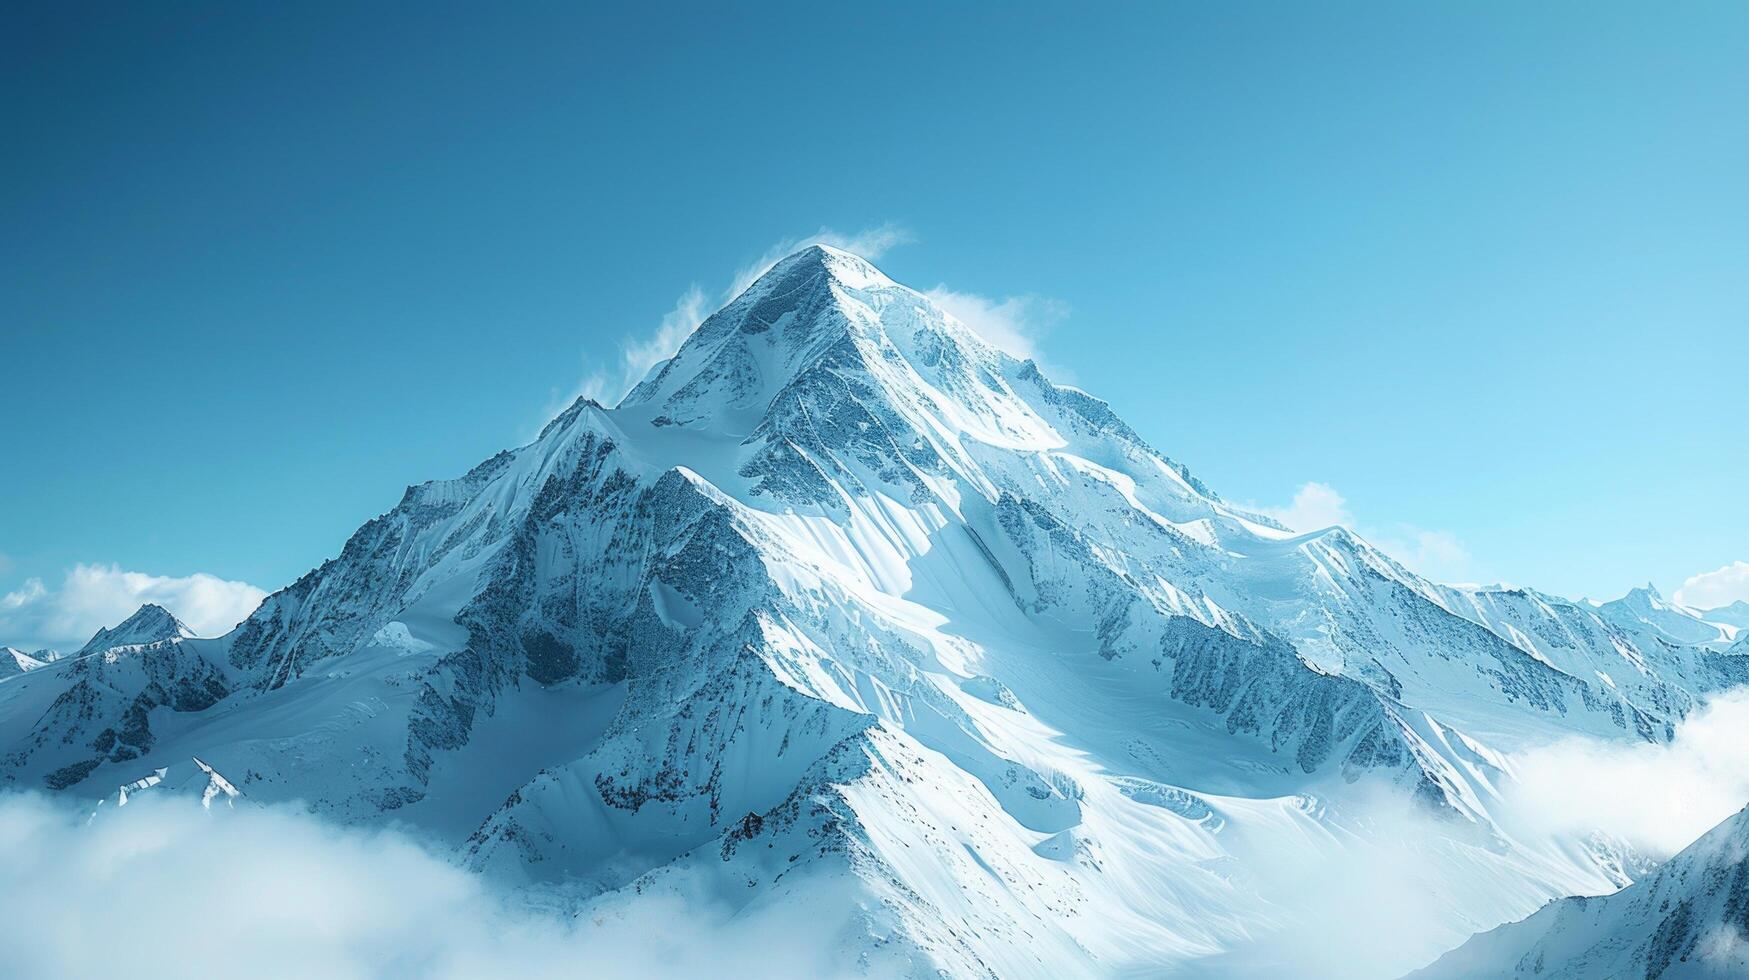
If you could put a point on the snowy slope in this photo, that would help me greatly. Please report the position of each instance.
(1690, 918)
(14, 661)
(1736, 614)
(1644, 608)
(844, 610)
(104, 697)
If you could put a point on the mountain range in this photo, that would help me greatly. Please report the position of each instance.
(847, 618)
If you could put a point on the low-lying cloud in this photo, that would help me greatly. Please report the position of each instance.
(94, 596)
(275, 892)
(1390, 899)
(1659, 798)
(154, 889)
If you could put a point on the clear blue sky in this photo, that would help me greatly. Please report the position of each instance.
(1482, 268)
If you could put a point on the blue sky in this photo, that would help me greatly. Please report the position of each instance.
(1474, 271)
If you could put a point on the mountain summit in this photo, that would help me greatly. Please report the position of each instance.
(151, 623)
(847, 614)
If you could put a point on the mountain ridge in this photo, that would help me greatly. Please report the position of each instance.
(843, 598)
(1689, 918)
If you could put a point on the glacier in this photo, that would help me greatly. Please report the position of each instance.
(845, 617)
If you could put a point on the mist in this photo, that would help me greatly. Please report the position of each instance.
(167, 889)
(165, 885)
(1659, 798)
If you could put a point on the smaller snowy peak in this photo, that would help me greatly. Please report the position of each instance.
(1736, 615)
(151, 623)
(1645, 600)
(1645, 608)
(14, 661)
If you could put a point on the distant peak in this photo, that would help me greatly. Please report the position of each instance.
(1648, 590)
(151, 614)
(151, 623)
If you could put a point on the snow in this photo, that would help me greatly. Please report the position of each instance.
(1684, 921)
(843, 605)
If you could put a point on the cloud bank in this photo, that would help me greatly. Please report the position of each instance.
(1659, 798)
(94, 596)
(274, 892)
(1719, 587)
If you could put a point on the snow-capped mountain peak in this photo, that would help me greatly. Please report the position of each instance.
(151, 623)
(1644, 608)
(14, 661)
(843, 597)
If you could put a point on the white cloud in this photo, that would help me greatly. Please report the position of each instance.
(1659, 798)
(1014, 323)
(638, 356)
(275, 892)
(32, 590)
(1315, 506)
(1720, 587)
(94, 596)
(1435, 554)
(1390, 893)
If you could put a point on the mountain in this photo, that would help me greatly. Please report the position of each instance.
(1736, 614)
(869, 628)
(151, 623)
(1690, 918)
(14, 662)
(1672, 622)
(106, 692)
